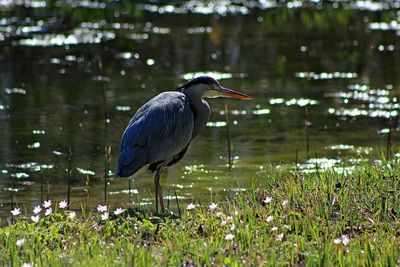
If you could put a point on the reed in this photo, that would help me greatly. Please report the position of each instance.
(41, 186)
(107, 148)
(306, 122)
(69, 176)
(228, 137)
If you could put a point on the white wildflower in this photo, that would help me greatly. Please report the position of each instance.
(284, 203)
(267, 200)
(345, 239)
(72, 214)
(223, 223)
(35, 218)
(229, 237)
(279, 237)
(20, 242)
(48, 211)
(26, 264)
(47, 203)
(63, 204)
(233, 227)
(104, 216)
(274, 229)
(119, 211)
(337, 241)
(37, 209)
(270, 218)
(16, 212)
(101, 208)
(191, 206)
(213, 206)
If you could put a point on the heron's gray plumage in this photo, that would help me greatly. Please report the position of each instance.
(160, 131)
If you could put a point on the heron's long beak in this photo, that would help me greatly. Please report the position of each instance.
(226, 92)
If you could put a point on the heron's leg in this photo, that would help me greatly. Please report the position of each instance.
(160, 196)
(156, 186)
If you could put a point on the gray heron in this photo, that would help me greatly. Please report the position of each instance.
(159, 133)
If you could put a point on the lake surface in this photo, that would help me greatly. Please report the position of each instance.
(327, 73)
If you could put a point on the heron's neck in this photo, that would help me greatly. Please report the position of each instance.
(201, 113)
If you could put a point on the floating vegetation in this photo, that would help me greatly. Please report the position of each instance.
(79, 36)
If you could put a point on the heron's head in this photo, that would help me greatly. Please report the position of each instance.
(205, 86)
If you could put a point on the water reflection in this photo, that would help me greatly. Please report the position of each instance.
(331, 68)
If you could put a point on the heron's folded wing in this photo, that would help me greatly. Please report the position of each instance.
(160, 128)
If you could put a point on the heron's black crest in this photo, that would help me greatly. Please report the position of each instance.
(200, 80)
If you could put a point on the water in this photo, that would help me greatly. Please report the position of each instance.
(338, 63)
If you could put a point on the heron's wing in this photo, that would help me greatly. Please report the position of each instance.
(160, 129)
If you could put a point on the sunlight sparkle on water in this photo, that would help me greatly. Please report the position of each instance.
(15, 91)
(301, 102)
(340, 147)
(86, 172)
(214, 74)
(326, 75)
(198, 30)
(126, 192)
(34, 145)
(216, 124)
(123, 108)
(79, 36)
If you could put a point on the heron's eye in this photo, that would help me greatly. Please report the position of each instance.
(214, 87)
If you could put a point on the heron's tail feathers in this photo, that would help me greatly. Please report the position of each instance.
(130, 161)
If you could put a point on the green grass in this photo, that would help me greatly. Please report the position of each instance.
(321, 208)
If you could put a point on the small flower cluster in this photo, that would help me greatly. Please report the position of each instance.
(104, 214)
(344, 239)
(267, 200)
(46, 206)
